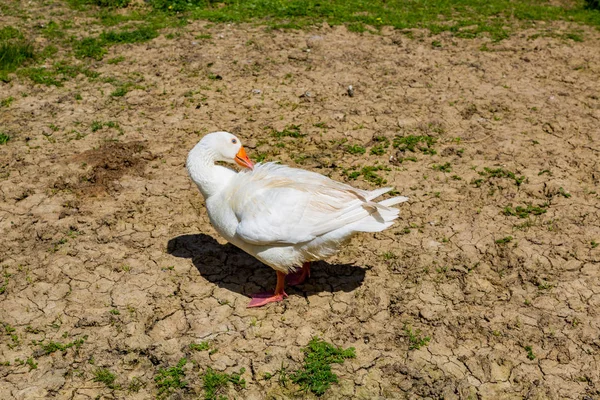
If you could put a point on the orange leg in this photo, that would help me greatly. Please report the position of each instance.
(261, 299)
(299, 277)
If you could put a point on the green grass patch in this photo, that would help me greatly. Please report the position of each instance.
(504, 240)
(292, 131)
(369, 173)
(415, 340)
(9, 32)
(316, 375)
(95, 47)
(89, 47)
(356, 149)
(413, 143)
(51, 347)
(55, 76)
(107, 4)
(530, 354)
(141, 34)
(463, 18)
(15, 53)
(171, 379)
(53, 30)
(7, 275)
(200, 346)
(525, 211)
(213, 382)
(499, 173)
(97, 125)
(104, 375)
(381, 147)
(563, 193)
(7, 101)
(115, 60)
(120, 91)
(442, 167)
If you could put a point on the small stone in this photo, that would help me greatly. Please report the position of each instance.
(350, 91)
(256, 91)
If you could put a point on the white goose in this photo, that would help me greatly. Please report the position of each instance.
(285, 217)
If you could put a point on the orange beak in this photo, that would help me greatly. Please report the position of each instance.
(241, 159)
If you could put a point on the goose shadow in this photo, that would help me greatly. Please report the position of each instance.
(231, 268)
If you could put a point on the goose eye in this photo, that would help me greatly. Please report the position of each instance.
(234, 141)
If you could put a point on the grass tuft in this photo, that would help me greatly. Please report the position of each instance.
(170, 379)
(4, 138)
(104, 375)
(355, 149)
(525, 211)
(415, 340)
(200, 346)
(292, 131)
(95, 47)
(213, 382)
(315, 375)
(504, 240)
(413, 143)
(51, 347)
(14, 54)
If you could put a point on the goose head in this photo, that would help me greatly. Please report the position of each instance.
(224, 146)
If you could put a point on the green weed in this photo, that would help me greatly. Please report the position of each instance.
(316, 375)
(89, 47)
(170, 379)
(55, 76)
(382, 144)
(504, 240)
(95, 47)
(7, 102)
(563, 193)
(141, 34)
(104, 375)
(120, 91)
(413, 143)
(369, 174)
(135, 385)
(525, 211)
(529, 351)
(200, 346)
(4, 138)
(51, 347)
(292, 131)
(5, 284)
(10, 331)
(443, 167)
(213, 382)
(14, 54)
(415, 340)
(31, 363)
(115, 60)
(355, 149)
(501, 173)
(110, 3)
(97, 125)
(52, 30)
(9, 32)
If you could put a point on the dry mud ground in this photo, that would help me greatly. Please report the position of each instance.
(105, 239)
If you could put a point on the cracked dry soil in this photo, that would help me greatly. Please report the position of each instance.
(105, 238)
